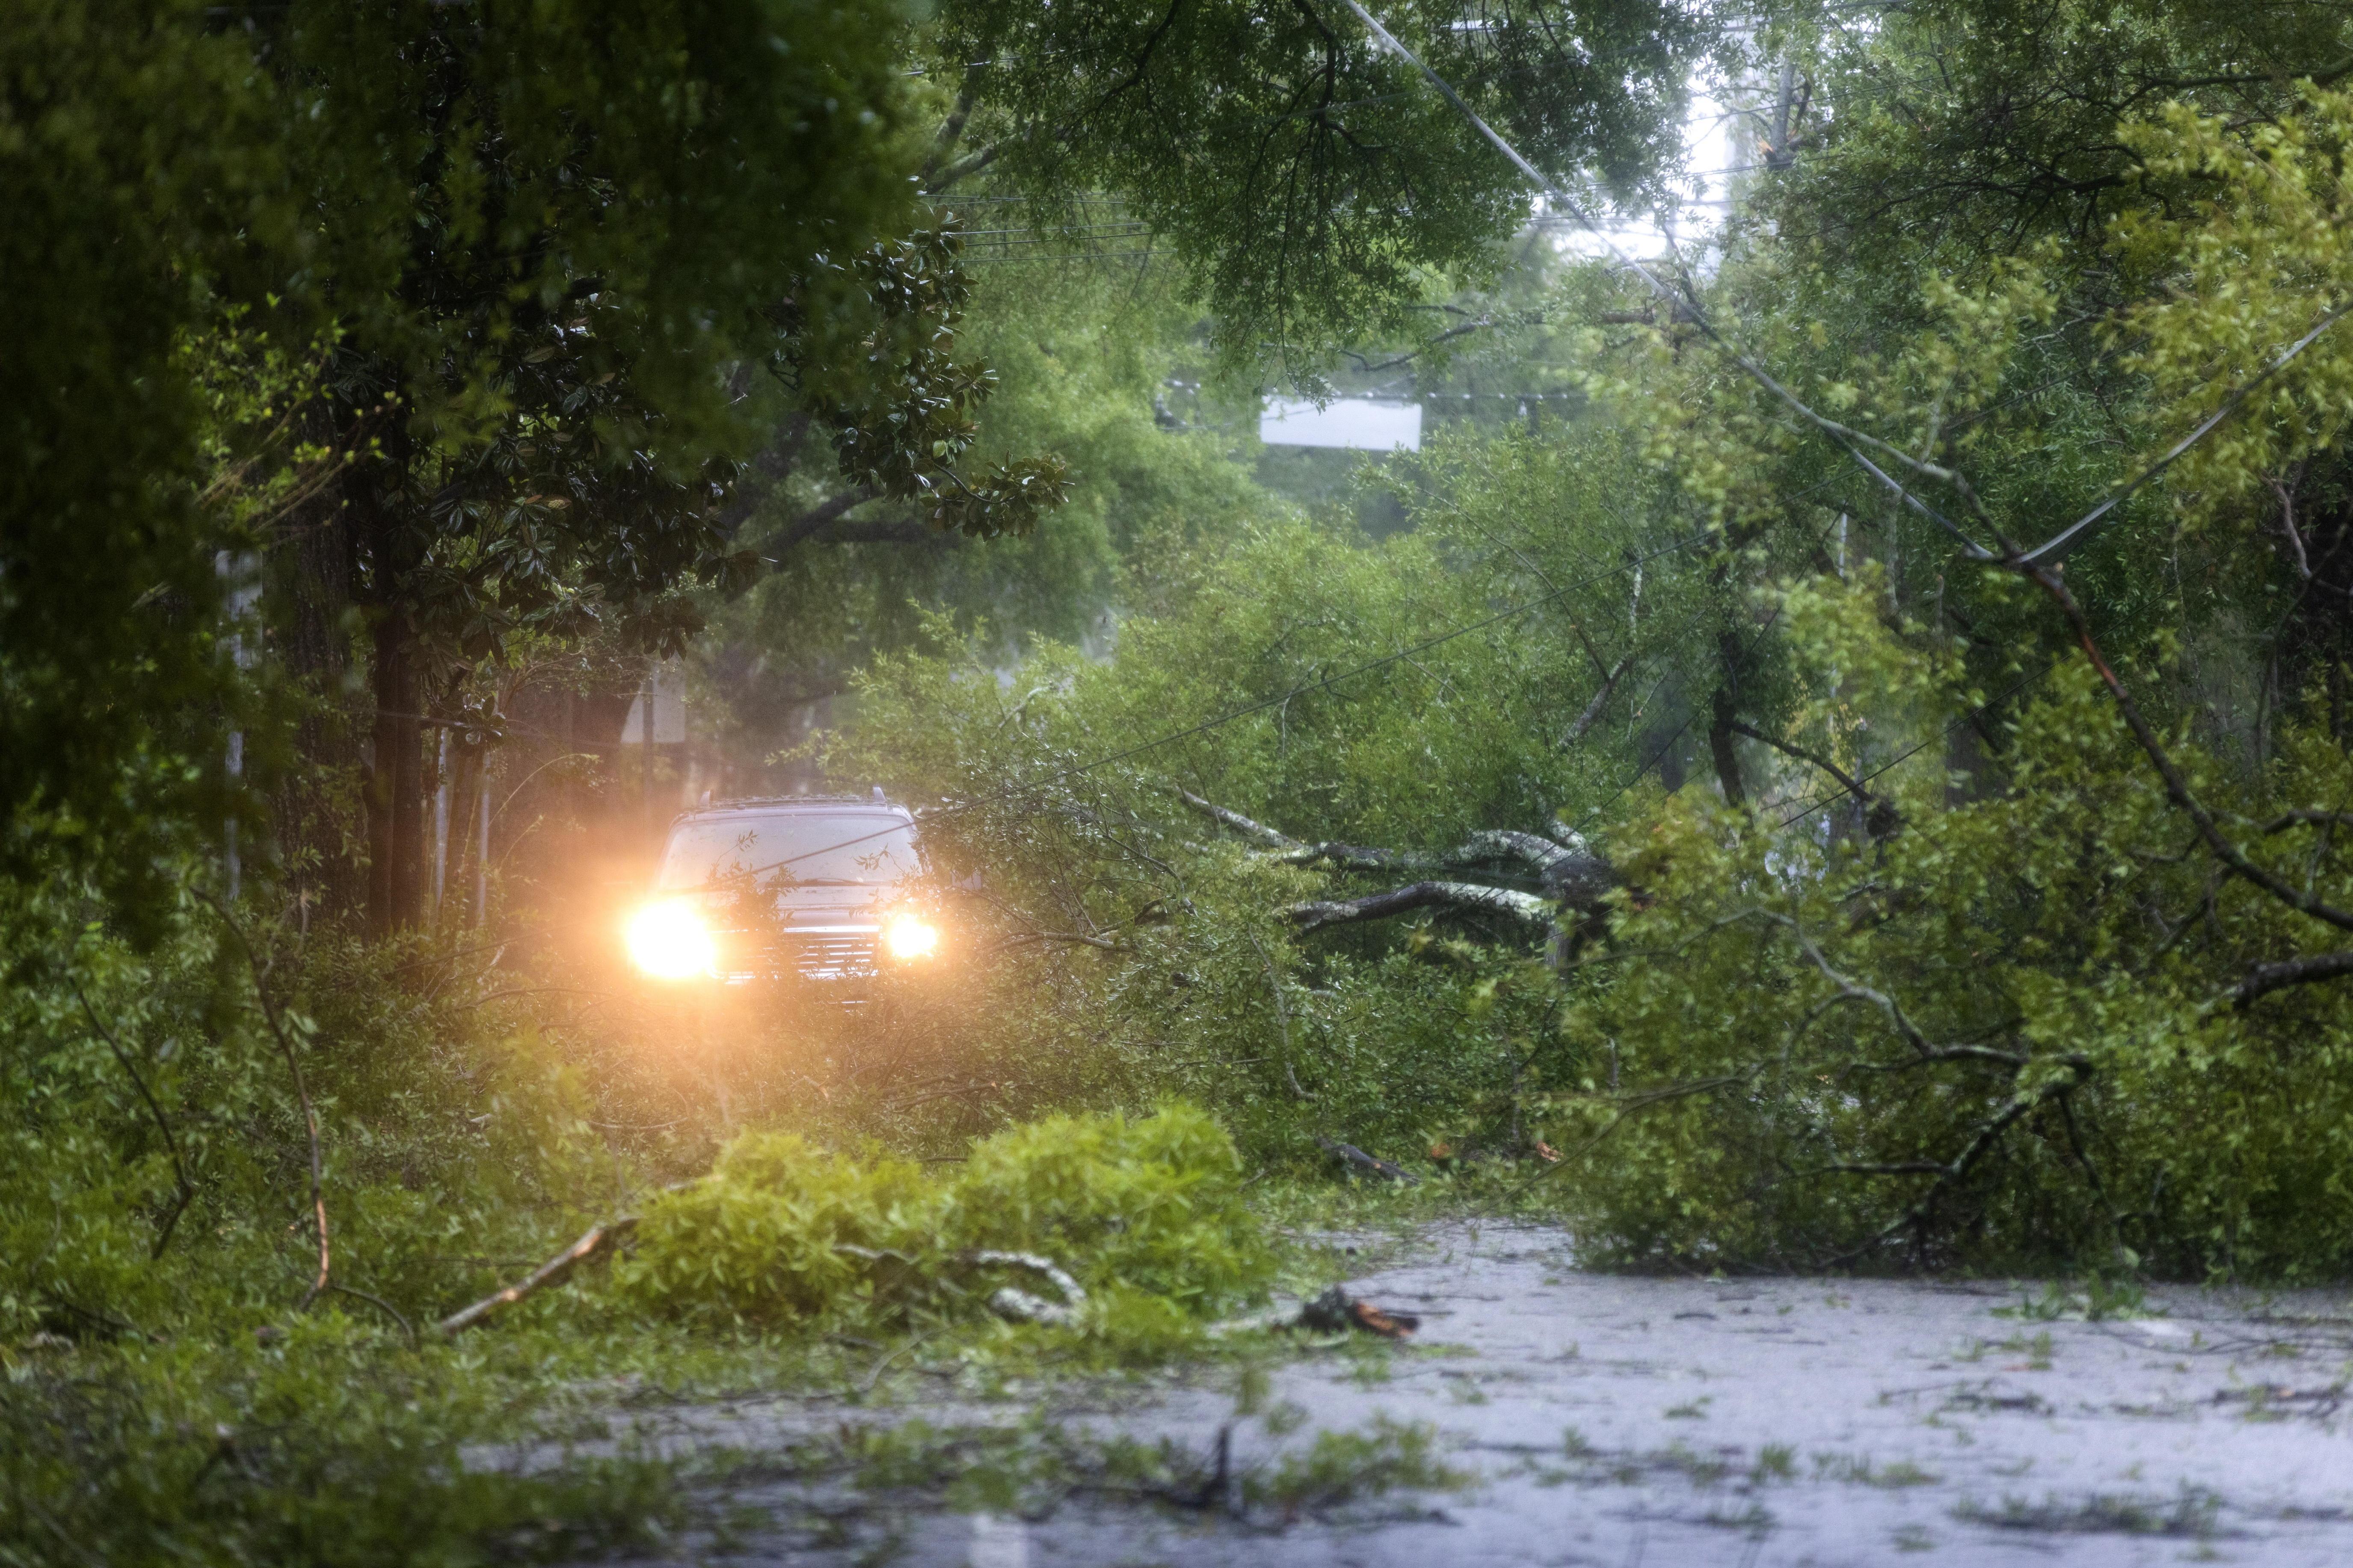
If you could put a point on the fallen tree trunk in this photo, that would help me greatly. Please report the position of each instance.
(1571, 874)
(1466, 896)
(1021, 1305)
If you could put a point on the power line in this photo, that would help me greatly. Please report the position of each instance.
(1848, 440)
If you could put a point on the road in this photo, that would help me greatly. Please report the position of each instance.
(1602, 1419)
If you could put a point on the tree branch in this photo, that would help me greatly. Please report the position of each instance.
(187, 1192)
(398, 1315)
(1266, 836)
(824, 513)
(951, 132)
(2266, 978)
(1571, 872)
(1893, 1009)
(1355, 1158)
(1593, 709)
(1854, 787)
(2287, 820)
(1367, 367)
(2079, 1071)
(2177, 787)
(555, 1271)
(1463, 896)
(972, 163)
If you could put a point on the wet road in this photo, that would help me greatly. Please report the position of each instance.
(1751, 1423)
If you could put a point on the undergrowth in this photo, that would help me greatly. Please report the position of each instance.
(172, 1388)
(1146, 1214)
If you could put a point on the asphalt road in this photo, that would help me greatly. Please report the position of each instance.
(1752, 1423)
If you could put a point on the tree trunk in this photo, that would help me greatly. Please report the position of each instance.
(312, 566)
(396, 783)
(1722, 743)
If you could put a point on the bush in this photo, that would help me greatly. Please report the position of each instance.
(784, 1233)
(1151, 1205)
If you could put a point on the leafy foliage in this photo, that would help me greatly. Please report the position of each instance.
(1314, 187)
(138, 152)
(785, 1232)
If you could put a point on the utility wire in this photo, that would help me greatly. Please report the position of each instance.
(1849, 440)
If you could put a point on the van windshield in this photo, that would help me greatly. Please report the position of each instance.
(832, 846)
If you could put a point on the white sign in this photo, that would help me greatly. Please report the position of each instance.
(1354, 421)
(669, 709)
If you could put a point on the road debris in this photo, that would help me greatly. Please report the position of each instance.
(1335, 1312)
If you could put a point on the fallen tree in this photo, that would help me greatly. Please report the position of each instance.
(1573, 878)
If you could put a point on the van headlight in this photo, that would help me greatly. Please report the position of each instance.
(907, 937)
(669, 942)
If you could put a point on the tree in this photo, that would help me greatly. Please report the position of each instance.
(1075, 358)
(141, 161)
(1313, 187)
(607, 215)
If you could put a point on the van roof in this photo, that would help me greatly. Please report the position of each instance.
(772, 803)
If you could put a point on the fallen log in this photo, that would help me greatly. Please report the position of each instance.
(1528, 908)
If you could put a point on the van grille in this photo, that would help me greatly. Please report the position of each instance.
(829, 955)
(822, 952)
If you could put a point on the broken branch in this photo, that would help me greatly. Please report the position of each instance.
(1356, 1160)
(1571, 872)
(1021, 1305)
(1266, 836)
(2078, 1072)
(598, 1239)
(1593, 709)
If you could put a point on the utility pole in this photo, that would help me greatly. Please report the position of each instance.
(239, 569)
(482, 844)
(1777, 154)
(646, 733)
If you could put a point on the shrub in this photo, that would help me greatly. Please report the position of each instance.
(1152, 1205)
(783, 1232)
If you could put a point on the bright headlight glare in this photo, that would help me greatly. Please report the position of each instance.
(669, 942)
(907, 937)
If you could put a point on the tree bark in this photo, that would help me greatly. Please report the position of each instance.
(396, 783)
(1720, 745)
(1466, 896)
